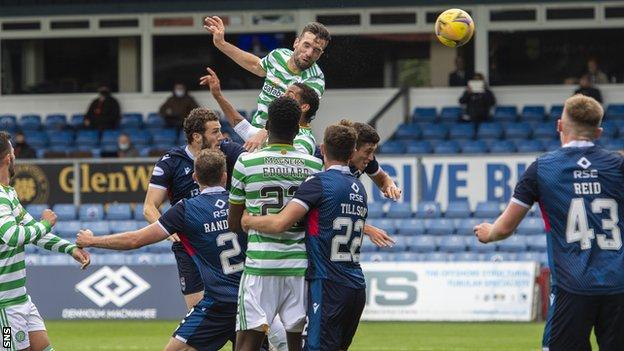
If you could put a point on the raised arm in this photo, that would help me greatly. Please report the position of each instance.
(154, 198)
(386, 185)
(248, 61)
(504, 225)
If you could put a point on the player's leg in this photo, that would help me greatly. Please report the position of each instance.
(354, 300)
(249, 340)
(190, 280)
(569, 322)
(277, 335)
(16, 318)
(37, 332)
(609, 326)
(177, 345)
(258, 298)
(208, 326)
(293, 309)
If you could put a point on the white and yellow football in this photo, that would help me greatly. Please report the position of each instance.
(454, 27)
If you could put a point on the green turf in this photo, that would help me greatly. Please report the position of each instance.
(141, 335)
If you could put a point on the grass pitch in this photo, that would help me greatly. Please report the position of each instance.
(371, 336)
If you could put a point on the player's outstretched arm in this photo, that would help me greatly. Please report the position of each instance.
(277, 223)
(504, 226)
(16, 234)
(214, 25)
(386, 185)
(378, 236)
(153, 233)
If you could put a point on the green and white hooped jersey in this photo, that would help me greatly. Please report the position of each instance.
(265, 182)
(305, 142)
(279, 77)
(17, 229)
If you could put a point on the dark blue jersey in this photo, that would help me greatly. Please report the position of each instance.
(580, 189)
(336, 201)
(201, 224)
(174, 171)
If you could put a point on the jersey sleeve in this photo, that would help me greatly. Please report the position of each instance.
(316, 81)
(237, 189)
(245, 130)
(172, 221)
(526, 191)
(265, 62)
(304, 144)
(309, 193)
(162, 175)
(372, 169)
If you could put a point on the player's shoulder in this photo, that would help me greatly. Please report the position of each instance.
(280, 55)
(175, 154)
(229, 147)
(310, 161)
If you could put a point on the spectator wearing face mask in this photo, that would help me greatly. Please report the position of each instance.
(177, 106)
(125, 147)
(104, 112)
(22, 149)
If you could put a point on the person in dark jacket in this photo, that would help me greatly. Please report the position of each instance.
(21, 148)
(104, 111)
(459, 77)
(477, 100)
(177, 106)
(587, 88)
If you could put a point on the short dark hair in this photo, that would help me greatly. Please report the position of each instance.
(339, 141)
(196, 120)
(283, 122)
(5, 144)
(209, 167)
(317, 29)
(310, 97)
(366, 134)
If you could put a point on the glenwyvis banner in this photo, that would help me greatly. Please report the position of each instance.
(453, 178)
(437, 291)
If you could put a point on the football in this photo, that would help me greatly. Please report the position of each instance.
(454, 27)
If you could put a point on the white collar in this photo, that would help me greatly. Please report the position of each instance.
(189, 153)
(213, 189)
(579, 143)
(343, 169)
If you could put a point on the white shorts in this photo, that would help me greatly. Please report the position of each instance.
(261, 298)
(22, 319)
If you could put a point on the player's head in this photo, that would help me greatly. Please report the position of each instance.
(307, 98)
(580, 119)
(7, 156)
(310, 44)
(366, 145)
(339, 143)
(210, 168)
(283, 122)
(202, 128)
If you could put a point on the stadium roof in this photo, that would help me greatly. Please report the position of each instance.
(70, 7)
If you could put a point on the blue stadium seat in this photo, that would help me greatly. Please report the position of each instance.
(615, 112)
(515, 243)
(530, 225)
(440, 226)
(123, 226)
(545, 130)
(424, 114)
(97, 227)
(540, 257)
(450, 113)
(614, 144)
(36, 139)
(428, 209)
(131, 121)
(68, 229)
(531, 145)
(400, 244)
(65, 212)
(537, 243)
(56, 121)
(419, 147)
(490, 131)
(465, 257)
(487, 209)
(399, 210)
(109, 137)
(89, 138)
(502, 146)
(552, 145)
(421, 243)
(505, 113)
(91, 212)
(139, 137)
(410, 226)
(408, 131)
(458, 209)
(520, 130)
(368, 246)
(378, 257)
(138, 212)
(8, 123)
(533, 113)
(119, 212)
(474, 245)
(408, 257)
(36, 210)
(434, 131)
(555, 112)
(64, 138)
(76, 121)
(461, 131)
(436, 257)
(474, 147)
(109, 148)
(30, 122)
(466, 226)
(386, 224)
(500, 257)
(452, 243)
(447, 147)
(375, 209)
(154, 121)
(609, 129)
(392, 147)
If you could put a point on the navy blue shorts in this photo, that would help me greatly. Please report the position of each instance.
(190, 279)
(334, 312)
(208, 326)
(571, 318)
